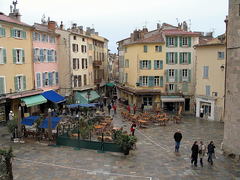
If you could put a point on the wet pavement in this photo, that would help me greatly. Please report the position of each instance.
(154, 158)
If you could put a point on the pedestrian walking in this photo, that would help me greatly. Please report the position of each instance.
(194, 155)
(201, 112)
(142, 107)
(211, 152)
(101, 106)
(133, 127)
(115, 108)
(134, 108)
(202, 150)
(11, 116)
(109, 108)
(177, 137)
(129, 108)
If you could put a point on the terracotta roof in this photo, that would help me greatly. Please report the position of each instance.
(210, 42)
(157, 38)
(173, 32)
(12, 20)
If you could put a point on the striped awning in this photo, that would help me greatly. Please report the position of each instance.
(34, 100)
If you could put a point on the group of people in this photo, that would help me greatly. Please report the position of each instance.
(135, 108)
(198, 150)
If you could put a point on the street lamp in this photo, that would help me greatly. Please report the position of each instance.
(49, 124)
(19, 121)
(222, 67)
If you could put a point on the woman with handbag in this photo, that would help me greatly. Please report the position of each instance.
(202, 150)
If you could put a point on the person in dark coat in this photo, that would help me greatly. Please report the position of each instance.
(211, 152)
(177, 137)
(195, 151)
(142, 107)
(109, 108)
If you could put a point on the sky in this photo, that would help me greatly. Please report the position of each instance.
(116, 19)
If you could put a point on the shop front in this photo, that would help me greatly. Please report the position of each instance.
(172, 103)
(206, 105)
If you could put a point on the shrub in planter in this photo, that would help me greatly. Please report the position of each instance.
(12, 125)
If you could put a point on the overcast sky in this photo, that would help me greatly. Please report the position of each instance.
(116, 19)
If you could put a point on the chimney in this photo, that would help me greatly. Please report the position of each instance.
(52, 25)
(158, 25)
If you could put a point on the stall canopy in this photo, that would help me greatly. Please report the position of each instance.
(85, 98)
(55, 121)
(34, 100)
(53, 96)
(172, 99)
(81, 105)
(29, 120)
(111, 84)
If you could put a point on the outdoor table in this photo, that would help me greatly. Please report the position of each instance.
(98, 126)
(141, 122)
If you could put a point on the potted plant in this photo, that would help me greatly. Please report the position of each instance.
(125, 141)
(12, 126)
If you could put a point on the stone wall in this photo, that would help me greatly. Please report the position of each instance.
(231, 142)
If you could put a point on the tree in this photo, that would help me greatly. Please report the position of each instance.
(6, 163)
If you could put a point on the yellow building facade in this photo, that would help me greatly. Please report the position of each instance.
(210, 79)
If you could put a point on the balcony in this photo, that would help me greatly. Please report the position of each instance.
(97, 63)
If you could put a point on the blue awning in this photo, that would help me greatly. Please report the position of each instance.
(53, 96)
(29, 120)
(81, 105)
(55, 121)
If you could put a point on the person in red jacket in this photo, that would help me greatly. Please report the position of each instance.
(129, 108)
(115, 108)
(134, 108)
(133, 127)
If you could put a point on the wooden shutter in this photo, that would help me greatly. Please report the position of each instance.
(167, 41)
(15, 83)
(14, 56)
(181, 57)
(24, 83)
(155, 64)
(176, 75)
(167, 58)
(160, 48)
(180, 41)
(161, 64)
(189, 75)
(48, 55)
(140, 80)
(180, 75)
(41, 55)
(176, 57)
(2, 85)
(23, 56)
(140, 64)
(43, 79)
(161, 81)
(56, 74)
(145, 48)
(189, 58)
(50, 78)
(189, 41)
(23, 33)
(12, 32)
(167, 75)
(149, 64)
(4, 56)
(175, 41)
(150, 81)
(38, 80)
(55, 53)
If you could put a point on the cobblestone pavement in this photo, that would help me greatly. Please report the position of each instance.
(154, 158)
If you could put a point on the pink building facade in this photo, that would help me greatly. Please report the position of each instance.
(45, 56)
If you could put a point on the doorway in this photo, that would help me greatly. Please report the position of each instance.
(187, 104)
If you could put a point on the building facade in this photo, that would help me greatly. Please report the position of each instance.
(45, 52)
(157, 68)
(210, 78)
(231, 143)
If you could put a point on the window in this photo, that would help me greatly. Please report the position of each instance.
(85, 79)
(145, 64)
(171, 41)
(84, 63)
(208, 90)
(145, 48)
(17, 33)
(156, 81)
(144, 80)
(75, 81)
(2, 32)
(44, 38)
(20, 83)
(147, 101)
(171, 73)
(184, 58)
(126, 63)
(171, 58)
(36, 36)
(74, 37)
(36, 54)
(84, 48)
(205, 72)
(52, 39)
(83, 39)
(54, 78)
(184, 41)
(75, 63)
(45, 79)
(185, 74)
(75, 47)
(3, 56)
(90, 46)
(171, 87)
(45, 55)
(18, 56)
(158, 48)
(220, 55)
(2, 85)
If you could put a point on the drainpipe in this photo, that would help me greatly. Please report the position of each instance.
(225, 78)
